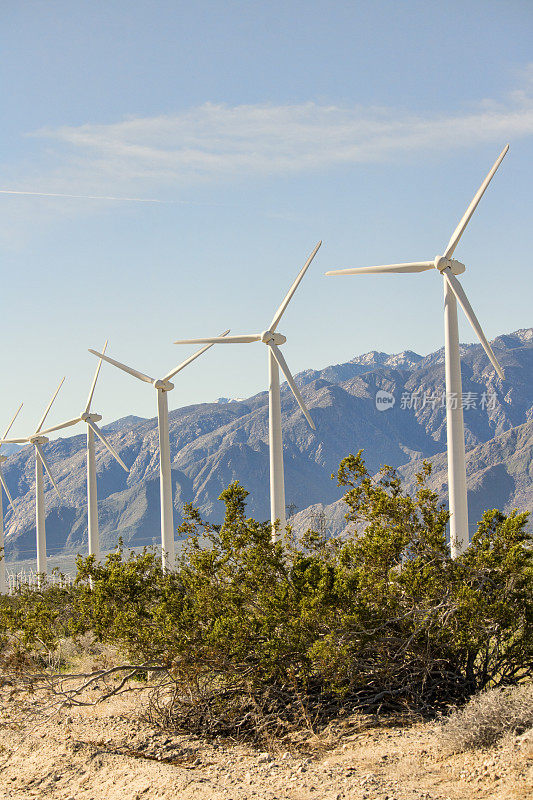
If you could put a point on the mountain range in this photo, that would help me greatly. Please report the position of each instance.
(213, 444)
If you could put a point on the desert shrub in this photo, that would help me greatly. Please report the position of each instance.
(129, 602)
(487, 717)
(253, 637)
(279, 634)
(430, 628)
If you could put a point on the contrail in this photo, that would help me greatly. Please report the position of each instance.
(90, 197)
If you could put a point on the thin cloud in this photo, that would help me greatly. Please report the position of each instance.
(216, 142)
(220, 141)
(89, 197)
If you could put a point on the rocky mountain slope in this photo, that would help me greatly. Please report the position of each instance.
(499, 475)
(213, 444)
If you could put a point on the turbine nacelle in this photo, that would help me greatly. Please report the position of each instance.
(38, 439)
(90, 417)
(165, 386)
(442, 263)
(270, 337)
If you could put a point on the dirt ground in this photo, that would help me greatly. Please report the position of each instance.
(106, 752)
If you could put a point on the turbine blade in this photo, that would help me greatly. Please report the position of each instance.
(93, 386)
(41, 423)
(136, 374)
(104, 441)
(46, 466)
(12, 421)
(281, 310)
(6, 490)
(458, 232)
(66, 424)
(191, 359)
(467, 308)
(245, 339)
(412, 266)
(15, 441)
(278, 355)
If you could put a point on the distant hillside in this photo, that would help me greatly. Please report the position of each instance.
(499, 475)
(215, 443)
(9, 449)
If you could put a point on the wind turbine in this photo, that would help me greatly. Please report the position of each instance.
(90, 419)
(4, 484)
(162, 386)
(275, 361)
(453, 292)
(37, 439)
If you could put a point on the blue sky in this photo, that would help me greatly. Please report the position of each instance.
(259, 128)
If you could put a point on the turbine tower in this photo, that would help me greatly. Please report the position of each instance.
(449, 268)
(90, 419)
(275, 361)
(37, 439)
(3, 483)
(162, 386)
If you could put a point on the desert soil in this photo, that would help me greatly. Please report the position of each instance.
(107, 752)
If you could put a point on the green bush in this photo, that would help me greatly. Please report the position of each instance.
(36, 618)
(257, 637)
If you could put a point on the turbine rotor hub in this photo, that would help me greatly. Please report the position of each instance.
(39, 439)
(271, 337)
(442, 263)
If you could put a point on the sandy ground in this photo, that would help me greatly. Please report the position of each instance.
(106, 752)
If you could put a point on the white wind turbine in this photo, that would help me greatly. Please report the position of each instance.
(162, 386)
(453, 291)
(37, 439)
(4, 484)
(90, 419)
(275, 361)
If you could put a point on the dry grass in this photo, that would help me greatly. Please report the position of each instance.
(86, 654)
(488, 717)
(111, 752)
